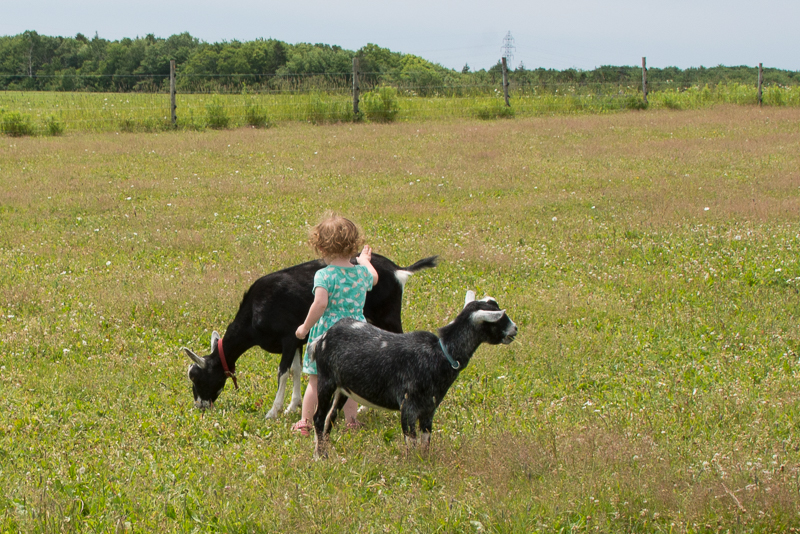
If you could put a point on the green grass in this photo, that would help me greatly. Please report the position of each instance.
(649, 260)
(39, 112)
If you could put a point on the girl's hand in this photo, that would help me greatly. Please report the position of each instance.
(365, 259)
(314, 313)
(301, 332)
(366, 256)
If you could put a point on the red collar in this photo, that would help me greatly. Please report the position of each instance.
(228, 372)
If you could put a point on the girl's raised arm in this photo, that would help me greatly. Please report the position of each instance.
(365, 259)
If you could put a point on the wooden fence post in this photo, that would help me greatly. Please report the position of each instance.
(172, 106)
(644, 79)
(355, 86)
(505, 81)
(760, 82)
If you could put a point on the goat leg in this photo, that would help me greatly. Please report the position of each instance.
(277, 404)
(425, 428)
(297, 371)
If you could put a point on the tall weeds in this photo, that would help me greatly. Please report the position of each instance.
(28, 113)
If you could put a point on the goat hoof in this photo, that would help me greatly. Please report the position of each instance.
(272, 414)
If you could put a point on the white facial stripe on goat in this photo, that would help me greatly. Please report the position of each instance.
(489, 299)
(402, 277)
(201, 404)
(512, 328)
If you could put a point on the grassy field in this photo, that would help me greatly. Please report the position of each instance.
(650, 260)
(50, 113)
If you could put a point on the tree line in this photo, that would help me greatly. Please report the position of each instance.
(29, 61)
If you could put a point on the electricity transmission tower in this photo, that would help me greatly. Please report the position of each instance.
(508, 48)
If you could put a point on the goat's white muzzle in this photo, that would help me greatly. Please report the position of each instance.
(510, 334)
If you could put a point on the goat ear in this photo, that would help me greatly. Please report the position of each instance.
(214, 339)
(201, 363)
(469, 298)
(487, 316)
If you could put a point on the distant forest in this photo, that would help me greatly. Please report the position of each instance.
(30, 61)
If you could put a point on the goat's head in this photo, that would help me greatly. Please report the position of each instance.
(207, 376)
(495, 326)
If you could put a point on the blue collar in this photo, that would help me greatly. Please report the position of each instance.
(454, 364)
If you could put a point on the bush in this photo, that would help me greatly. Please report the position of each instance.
(381, 105)
(633, 102)
(319, 111)
(127, 125)
(53, 127)
(16, 124)
(216, 116)
(256, 116)
(671, 100)
(496, 109)
(147, 124)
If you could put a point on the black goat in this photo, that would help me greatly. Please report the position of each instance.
(406, 372)
(270, 312)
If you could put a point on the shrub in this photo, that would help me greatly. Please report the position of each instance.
(256, 116)
(381, 105)
(53, 126)
(319, 111)
(633, 102)
(495, 109)
(146, 124)
(16, 124)
(127, 125)
(216, 116)
(671, 100)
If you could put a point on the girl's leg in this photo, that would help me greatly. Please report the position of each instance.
(350, 411)
(310, 400)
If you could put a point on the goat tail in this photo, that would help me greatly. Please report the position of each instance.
(425, 263)
(312, 349)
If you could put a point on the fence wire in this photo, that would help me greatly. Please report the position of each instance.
(260, 100)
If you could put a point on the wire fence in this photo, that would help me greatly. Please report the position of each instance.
(142, 102)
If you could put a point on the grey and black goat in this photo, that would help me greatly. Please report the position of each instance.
(407, 372)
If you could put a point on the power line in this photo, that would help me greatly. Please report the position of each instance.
(508, 48)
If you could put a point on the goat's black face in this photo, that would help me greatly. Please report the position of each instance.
(206, 375)
(496, 326)
(206, 385)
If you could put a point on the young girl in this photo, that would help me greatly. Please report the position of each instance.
(339, 291)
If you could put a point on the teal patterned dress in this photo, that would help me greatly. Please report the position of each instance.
(347, 290)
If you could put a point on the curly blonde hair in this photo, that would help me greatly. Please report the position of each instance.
(336, 236)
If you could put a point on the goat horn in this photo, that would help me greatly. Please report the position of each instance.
(201, 363)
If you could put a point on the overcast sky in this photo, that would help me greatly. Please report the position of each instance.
(559, 34)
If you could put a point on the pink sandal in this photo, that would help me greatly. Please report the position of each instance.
(302, 426)
(354, 425)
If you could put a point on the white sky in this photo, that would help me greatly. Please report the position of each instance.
(559, 34)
